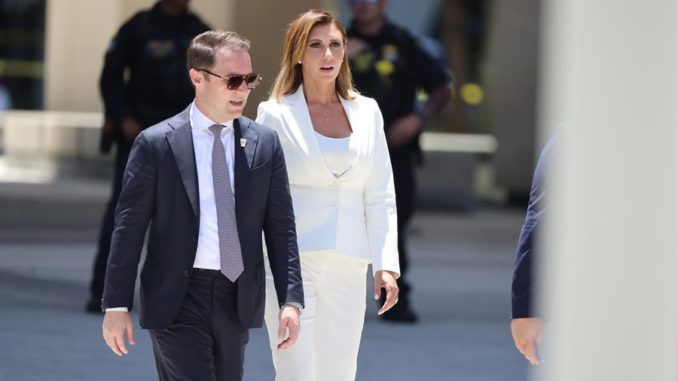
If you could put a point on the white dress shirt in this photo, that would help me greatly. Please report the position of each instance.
(207, 254)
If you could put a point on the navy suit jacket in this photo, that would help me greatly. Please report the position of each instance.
(160, 188)
(522, 292)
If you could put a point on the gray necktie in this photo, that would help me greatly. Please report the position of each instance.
(230, 253)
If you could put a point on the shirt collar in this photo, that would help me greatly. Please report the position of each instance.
(200, 122)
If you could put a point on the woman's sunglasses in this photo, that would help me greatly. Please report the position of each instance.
(234, 81)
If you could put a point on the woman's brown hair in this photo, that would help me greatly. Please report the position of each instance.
(296, 38)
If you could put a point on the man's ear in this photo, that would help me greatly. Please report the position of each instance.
(196, 77)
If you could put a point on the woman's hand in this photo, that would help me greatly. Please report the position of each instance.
(386, 280)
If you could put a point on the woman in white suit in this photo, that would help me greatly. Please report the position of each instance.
(344, 202)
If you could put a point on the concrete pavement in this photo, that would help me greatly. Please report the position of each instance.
(460, 269)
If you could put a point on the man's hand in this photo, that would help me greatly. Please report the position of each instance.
(527, 334)
(386, 280)
(130, 129)
(117, 325)
(289, 323)
(405, 129)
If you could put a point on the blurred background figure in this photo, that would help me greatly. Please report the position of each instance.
(389, 65)
(144, 81)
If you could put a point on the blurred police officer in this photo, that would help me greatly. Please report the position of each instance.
(144, 81)
(389, 65)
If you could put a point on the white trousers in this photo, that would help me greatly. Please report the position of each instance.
(331, 322)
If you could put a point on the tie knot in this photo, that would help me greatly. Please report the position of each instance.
(216, 129)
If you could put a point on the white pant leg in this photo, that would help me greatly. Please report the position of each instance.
(331, 322)
(296, 363)
(340, 316)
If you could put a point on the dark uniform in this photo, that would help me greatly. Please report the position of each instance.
(151, 46)
(391, 71)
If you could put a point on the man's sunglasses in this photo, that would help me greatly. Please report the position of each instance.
(234, 81)
(354, 2)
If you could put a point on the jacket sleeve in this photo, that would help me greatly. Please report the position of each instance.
(132, 217)
(280, 233)
(522, 291)
(381, 218)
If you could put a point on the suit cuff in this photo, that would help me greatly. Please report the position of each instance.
(121, 309)
(521, 308)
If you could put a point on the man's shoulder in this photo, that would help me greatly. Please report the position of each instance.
(197, 23)
(160, 129)
(399, 34)
(137, 18)
(395, 28)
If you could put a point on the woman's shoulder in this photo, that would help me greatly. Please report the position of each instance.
(369, 108)
(269, 109)
(269, 105)
(364, 102)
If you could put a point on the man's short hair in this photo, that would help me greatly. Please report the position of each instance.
(203, 49)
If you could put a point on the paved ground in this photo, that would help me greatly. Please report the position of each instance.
(461, 270)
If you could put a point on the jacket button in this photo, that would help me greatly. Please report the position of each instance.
(195, 239)
(187, 273)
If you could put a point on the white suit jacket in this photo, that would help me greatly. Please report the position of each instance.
(354, 214)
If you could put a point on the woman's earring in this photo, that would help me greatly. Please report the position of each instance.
(299, 62)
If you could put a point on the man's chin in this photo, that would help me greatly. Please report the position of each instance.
(234, 114)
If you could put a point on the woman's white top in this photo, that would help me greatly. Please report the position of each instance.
(338, 153)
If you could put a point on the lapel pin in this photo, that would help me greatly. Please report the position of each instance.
(243, 142)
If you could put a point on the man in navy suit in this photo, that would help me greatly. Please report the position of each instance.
(526, 327)
(208, 181)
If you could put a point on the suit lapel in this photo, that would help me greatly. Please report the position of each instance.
(245, 146)
(297, 118)
(356, 120)
(181, 144)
